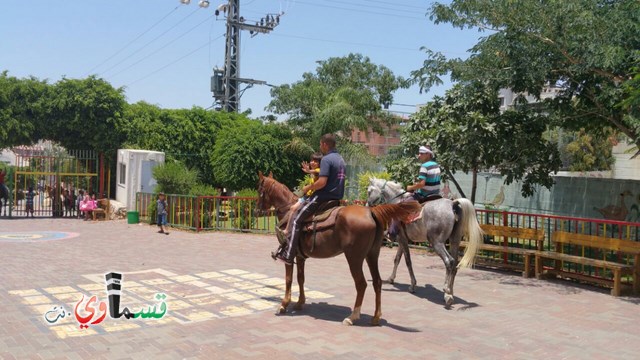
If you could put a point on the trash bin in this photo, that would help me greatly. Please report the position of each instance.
(133, 217)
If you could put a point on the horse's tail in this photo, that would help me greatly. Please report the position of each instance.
(385, 213)
(470, 230)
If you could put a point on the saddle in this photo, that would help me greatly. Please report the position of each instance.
(324, 218)
(418, 215)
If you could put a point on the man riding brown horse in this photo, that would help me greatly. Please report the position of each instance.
(328, 187)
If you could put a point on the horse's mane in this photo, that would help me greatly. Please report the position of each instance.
(279, 190)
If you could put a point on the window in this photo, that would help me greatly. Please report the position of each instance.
(123, 174)
(501, 101)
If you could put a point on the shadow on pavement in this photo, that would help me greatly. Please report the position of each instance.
(337, 313)
(436, 296)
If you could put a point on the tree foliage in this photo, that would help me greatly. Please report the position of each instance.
(248, 146)
(344, 93)
(22, 109)
(469, 133)
(588, 48)
(174, 178)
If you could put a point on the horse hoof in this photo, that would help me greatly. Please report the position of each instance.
(282, 310)
(390, 281)
(412, 289)
(448, 300)
(347, 322)
(298, 307)
(375, 321)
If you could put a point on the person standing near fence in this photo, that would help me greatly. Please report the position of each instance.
(29, 201)
(162, 213)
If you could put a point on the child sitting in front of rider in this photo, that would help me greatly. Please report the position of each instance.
(312, 168)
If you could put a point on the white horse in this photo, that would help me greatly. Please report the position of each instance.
(439, 221)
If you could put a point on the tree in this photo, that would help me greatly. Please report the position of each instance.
(187, 135)
(344, 93)
(85, 114)
(588, 48)
(469, 133)
(248, 146)
(22, 107)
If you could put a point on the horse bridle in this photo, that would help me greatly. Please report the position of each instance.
(382, 200)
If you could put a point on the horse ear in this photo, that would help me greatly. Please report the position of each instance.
(260, 176)
(271, 174)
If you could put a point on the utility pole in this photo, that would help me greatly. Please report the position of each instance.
(225, 83)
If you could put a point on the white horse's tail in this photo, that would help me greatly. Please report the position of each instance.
(471, 231)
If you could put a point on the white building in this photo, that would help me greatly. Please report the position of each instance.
(134, 174)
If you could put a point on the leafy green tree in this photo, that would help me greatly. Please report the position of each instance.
(469, 133)
(248, 146)
(23, 103)
(587, 48)
(85, 114)
(187, 135)
(344, 93)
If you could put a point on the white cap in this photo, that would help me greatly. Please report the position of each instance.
(425, 150)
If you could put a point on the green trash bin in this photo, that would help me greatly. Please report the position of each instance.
(133, 217)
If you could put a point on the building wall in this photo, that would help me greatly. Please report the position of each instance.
(378, 145)
(579, 196)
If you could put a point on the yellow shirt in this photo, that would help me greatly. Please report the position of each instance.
(312, 179)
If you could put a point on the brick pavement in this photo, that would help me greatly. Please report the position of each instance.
(223, 290)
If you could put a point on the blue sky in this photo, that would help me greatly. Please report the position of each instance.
(163, 52)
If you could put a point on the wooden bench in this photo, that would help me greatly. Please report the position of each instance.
(507, 246)
(103, 209)
(597, 244)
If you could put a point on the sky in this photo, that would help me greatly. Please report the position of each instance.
(163, 52)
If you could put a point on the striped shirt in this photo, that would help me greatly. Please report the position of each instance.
(430, 173)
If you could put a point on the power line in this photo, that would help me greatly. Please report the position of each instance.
(161, 48)
(357, 43)
(371, 6)
(396, 4)
(132, 41)
(175, 61)
(151, 41)
(361, 11)
(347, 42)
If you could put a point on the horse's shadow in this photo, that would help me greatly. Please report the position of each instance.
(430, 293)
(336, 313)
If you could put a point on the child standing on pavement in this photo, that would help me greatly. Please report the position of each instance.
(162, 213)
(29, 201)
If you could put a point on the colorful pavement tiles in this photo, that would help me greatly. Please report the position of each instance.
(189, 298)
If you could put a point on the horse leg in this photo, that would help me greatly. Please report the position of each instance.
(403, 242)
(396, 261)
(452, 267)
(287, 293)
(301, 298)
(372, 262)
(355, 265)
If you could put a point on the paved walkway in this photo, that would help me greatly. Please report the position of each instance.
(223, 289)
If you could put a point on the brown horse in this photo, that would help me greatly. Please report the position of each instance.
(358, 233)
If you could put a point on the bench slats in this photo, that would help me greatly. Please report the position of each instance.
(512, 232)
(599, 242)
(560, 238)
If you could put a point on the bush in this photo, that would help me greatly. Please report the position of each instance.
(174, 178)
(243, 209)
(204, 190)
